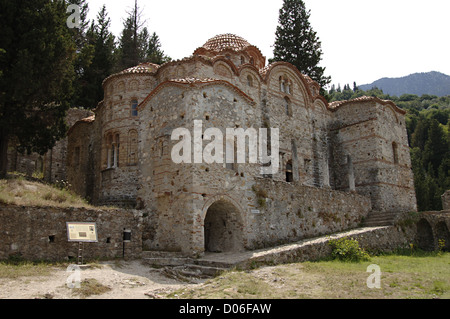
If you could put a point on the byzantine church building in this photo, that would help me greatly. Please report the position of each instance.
(339, 162)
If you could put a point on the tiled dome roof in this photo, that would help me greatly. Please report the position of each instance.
(141, 68)
(226, 41)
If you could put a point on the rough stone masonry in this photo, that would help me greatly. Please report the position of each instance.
(338, 161)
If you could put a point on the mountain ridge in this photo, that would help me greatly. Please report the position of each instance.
(432, 83)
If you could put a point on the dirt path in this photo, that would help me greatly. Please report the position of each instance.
(125, 280)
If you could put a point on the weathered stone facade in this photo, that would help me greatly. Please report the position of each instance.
(338, 161)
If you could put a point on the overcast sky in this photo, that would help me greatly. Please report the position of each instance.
(362, 40)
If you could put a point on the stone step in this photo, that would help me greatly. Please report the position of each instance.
(200, 271)
(213, 263)
(165, 262)
(164, 254)
(380, 219)
(164, 258)
(377, 223)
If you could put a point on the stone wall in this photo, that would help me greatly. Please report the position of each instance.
(379, 239)
(39, 233)
(370, 154)
(289, 212)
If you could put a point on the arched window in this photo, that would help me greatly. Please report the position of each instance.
(132, 147)
(285, 85)
(110, 112)
(134, 106)
(242, 60)
(287, 106)
(289, 172)
(250, 81)
(112, 150)
(252, 61)
(282, 84)
(116, 148)
(395, 152)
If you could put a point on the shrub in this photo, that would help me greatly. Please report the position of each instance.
(347, 249)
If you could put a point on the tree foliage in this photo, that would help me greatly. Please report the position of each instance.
(297, 43)
(136, 45)
(37, 72)
(101, 63)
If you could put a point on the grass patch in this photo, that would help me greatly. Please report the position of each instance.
(15, 267)
(90, 287)
(420, 276)
(19, 191)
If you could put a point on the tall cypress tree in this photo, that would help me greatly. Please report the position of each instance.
(136, 45)
(154, 52)
(102, 41)
(37, 73)
(84, 54)
(297, 43)
(133, 41)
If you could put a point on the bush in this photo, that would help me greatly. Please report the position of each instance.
(347, 249)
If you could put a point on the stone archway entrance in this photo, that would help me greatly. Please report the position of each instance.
(425, 238)
(223, 228)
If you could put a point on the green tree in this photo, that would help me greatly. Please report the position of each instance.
(436, 147)
(37, 73)
(297, 43)
(133, 41)
(103, 60)
(154, 52)
(84, 54)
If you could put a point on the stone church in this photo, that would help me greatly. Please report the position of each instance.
(339, 162)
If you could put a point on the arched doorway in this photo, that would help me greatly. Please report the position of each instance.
(223, 228)
(425, 239)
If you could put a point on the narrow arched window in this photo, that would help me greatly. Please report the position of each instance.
(287, 107)
(289, 172)
(134, 108)
(109, 151)
(132, 147)
(116, 147)
(250, 81)
(242, 60)
(282, 84)
(395, 152)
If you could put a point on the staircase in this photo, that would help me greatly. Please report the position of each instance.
(177, 266)
(376, 219)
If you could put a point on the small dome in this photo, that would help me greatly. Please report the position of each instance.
(226, 41)
(141, 68)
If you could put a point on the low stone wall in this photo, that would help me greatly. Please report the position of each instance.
(376, 239)
(290, 213)
(39, 233)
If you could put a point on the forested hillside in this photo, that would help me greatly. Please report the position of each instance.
(433, 83)
(428, 127)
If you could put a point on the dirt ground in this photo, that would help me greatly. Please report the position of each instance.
(124, 280)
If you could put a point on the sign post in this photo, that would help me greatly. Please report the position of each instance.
(81, 233)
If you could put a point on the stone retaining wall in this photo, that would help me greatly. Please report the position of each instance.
(39, 233)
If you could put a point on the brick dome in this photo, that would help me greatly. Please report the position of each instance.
(226, 41)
